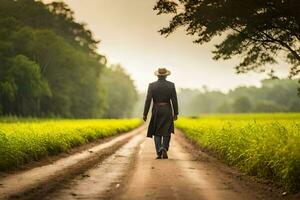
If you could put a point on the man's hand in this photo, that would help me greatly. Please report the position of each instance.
(144, 118)
(175, 117)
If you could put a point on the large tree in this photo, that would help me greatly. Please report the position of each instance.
(22, 86)
(49, 65)
(259, 31)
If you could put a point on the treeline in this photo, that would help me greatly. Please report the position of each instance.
(49, 66)
(272, 96)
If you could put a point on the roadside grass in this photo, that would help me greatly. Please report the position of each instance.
(265, 145)
(22, 141)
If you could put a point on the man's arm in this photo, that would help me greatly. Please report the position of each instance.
(174, 102)
(147, 103)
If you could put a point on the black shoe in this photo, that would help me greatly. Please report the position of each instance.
(164, 154)
(159, 154)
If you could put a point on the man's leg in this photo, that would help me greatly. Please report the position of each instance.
(166, 142)
(157, 142)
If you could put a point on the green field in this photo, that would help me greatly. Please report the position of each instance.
(24, 140)
(265, 145)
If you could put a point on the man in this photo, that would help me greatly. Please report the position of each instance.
(161, 125)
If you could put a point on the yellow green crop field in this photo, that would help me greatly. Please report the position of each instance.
(22, 141)
(265, 145)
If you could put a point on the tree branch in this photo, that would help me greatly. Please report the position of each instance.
(295, 54)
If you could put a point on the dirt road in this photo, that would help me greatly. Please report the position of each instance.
(185, 175)
(131, 172)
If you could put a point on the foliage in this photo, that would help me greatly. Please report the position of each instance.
(242, 104)
(22, 141)
(268, 107)
(139, 105)
(121, 93)
(56, 16)
(22, 83)
(49, 64)
(266, 145)
(272, 96)
(257, 31)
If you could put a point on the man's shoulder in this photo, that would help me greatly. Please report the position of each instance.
(152, 83)
(158, 82)
(171, 83)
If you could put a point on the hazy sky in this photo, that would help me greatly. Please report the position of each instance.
(128, 30)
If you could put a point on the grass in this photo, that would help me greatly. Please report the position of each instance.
(22, 141)
(265, 145)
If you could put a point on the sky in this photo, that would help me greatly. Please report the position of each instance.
(128, 30)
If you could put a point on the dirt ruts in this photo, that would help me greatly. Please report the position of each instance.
(125, 168)
(32, 183)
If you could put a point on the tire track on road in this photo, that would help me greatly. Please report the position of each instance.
(98, 181)
(37, 181)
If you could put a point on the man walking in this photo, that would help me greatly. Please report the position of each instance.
(164, 111)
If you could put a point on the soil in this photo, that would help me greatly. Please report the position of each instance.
(188, 174)
(125, 167)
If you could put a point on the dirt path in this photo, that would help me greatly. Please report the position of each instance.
(131, 172)
(183, 176)
(97, 182)
(35, 182)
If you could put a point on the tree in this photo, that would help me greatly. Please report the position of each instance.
(121, 94)
(49, 65)
(242, 105)
(22, 87)
(186, 99)
(268, 107)
(56, 16)
(272, 96)
(295, 105)
(207, 102)
(139, 105)
(225, 107)
(72, 75)
(258, 31)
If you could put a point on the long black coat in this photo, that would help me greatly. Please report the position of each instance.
(161, 122)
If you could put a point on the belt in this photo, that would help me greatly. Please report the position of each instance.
(161, 103)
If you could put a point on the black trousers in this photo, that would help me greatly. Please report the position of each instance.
(161, 142)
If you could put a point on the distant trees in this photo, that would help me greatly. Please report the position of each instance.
(272, 96)
(49, 65)
(121, 95)
(185, 99)
(211, 100)
(268, 106)
(242, 104)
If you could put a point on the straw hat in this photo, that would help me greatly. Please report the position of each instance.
(162, 72)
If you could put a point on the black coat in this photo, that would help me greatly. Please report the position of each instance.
(161, 122)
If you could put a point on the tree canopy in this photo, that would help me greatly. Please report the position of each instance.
(259, 31)
(49, 65)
